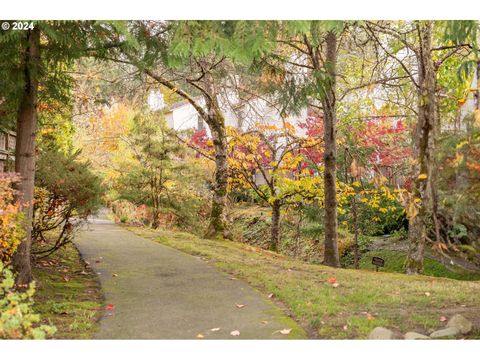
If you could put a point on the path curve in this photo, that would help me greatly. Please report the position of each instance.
(161, 293)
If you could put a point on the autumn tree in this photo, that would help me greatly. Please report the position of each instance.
(268, 159)
(413, 47)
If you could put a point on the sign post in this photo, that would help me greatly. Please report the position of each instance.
(378, 262)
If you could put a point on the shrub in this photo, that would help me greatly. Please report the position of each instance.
(66, 188)
(17, 320)
(11, 230)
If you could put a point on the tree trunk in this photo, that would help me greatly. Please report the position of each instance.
(424, 149)
(275, 229)
(218, 218)
(25, 152)
(331, 256)
(356, 258)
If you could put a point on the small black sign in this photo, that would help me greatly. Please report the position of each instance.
(377, 261)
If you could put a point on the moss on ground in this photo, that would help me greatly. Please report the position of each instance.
(363, 300)
(68, 294)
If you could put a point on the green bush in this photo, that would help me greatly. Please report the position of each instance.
(17, 319)
(65, 188)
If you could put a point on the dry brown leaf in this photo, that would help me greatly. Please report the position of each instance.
(114, 274)
(215, 329)
(235, 333)
(427, 294)
(200, 336)
(240, 306)
(443, 318)
(270, 296)
(264, 322)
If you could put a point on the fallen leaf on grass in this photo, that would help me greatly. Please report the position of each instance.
(235, 333)
(345, 327)
(200, 336)
(370, 317)
(109, 307)
(283, 331)
(332, 280)
(443, 318)
(66, 279)
(215, 329)
(240, 306)
(270, 296)
(427, 294)
(335, 285)
(114, 274)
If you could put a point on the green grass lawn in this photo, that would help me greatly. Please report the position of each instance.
(363, 300)
(68, 295)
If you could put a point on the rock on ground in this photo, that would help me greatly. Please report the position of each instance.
(458, 321)
(412, 335)
(380, 333)
(447, 332)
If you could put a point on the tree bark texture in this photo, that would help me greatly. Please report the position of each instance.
(25, 152)
(424, 149)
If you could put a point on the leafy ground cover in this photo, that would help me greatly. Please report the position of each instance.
(336, 303)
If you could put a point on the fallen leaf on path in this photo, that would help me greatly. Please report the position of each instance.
(232, 278)
(235, 333)
(240, 306)
(114, 274)
(285, 331)
(200, 336)
(109, 307)
(264, 322)
(332, 280)
(215, 329)
(443, 318)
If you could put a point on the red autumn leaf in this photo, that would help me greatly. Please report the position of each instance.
(109, 307)
(332, 280)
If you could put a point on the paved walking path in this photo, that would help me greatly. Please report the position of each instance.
(161, 293)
